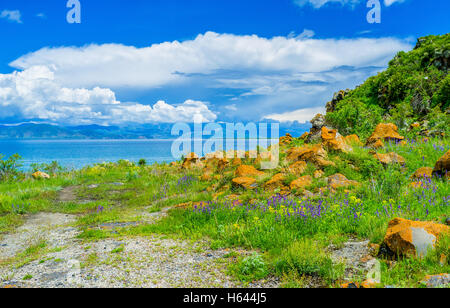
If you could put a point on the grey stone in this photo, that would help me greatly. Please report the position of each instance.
(437, 281)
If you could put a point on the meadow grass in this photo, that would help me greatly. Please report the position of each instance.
(290, 235)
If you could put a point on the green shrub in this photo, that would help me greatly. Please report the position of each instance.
(9, 168)
(251, 268)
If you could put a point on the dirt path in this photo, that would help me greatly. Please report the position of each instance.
(155, 261)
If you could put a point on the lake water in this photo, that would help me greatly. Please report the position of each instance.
(79, 153)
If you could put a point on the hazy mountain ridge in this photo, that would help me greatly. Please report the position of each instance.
(148, 131)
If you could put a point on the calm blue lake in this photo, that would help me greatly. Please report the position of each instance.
(79, 153)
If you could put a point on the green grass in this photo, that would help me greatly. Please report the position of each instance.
(293, 249)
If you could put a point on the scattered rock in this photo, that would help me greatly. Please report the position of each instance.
(353, 139)
(298, 168)
(40, 175)
(236, 162)
(389, 158)
(442, 167)
(304, 136)
(413, 238)
(285, 140)
(421, 173)
(244, 182)
(315, 132)
(315, 154)
(384, 132)
(338, 180)
(191, 161)
(247, 171)
(333, 141)
(318, 174)
(275, 182)
(436, 281)
(301, 183)
(337, 97)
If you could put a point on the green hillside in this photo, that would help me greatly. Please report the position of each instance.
(415, 87)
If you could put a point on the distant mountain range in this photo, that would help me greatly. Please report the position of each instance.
(147, 131)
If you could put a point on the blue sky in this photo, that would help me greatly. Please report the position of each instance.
(147, 61)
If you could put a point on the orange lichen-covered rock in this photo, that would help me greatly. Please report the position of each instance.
(236, 162)
(384, 132)
(275, 182)
(315, 154)
(353, 139)
(332, 140)
(207, 175)
(377, 144)
(424, 172)
(244, 182)
(414, 238)
(442, 167)
(389, 158)
(338, 180)
(301, 183)
(222, 164)
(247, 171)
(285, 140)
(304, 136)
(298, 168)
(40, 175)
(318, 174)
(191, 160)
(328, 133)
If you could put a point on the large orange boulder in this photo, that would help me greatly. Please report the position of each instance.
(442, 167)
(389, 158)
(275, 182)
(339, 180)
(247, 171)
(413, 238)
(315, 154)
(333, 141)
(40, 175)
(384, 132)
(422, 173)
(301, 183)
(298, 168)
(244, 182)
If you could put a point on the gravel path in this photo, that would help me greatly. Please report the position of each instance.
(155, 261)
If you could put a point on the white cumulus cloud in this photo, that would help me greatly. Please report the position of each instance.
(35, 94)
(116, 65)
(255, 76)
